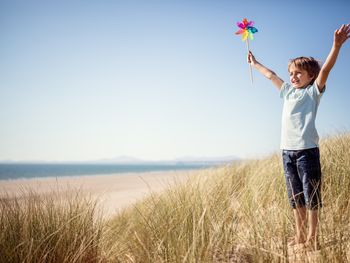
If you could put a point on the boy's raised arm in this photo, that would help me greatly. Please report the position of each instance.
(340, 36)
(265, 71)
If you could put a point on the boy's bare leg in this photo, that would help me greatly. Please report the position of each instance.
(313, 222)
(300, 224)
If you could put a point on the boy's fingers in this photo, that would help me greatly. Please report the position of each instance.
(341, 29)
(347, 28)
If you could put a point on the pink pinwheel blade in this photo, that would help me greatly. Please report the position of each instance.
(239, 24)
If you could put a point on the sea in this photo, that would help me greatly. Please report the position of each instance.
(10, 171)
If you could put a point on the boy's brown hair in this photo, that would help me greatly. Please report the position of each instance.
(309, 64)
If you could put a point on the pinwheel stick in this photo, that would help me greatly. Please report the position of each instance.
(246, 29)
(250, 66)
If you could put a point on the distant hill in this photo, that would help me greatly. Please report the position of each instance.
(182, 160)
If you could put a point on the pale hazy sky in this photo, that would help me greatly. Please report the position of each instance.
(85, 80)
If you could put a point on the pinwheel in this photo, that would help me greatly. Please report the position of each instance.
(247, 30)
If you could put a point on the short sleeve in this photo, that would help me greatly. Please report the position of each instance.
(316, 91)
(284, 89)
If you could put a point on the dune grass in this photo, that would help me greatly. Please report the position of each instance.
(235, 213)
(49, 228)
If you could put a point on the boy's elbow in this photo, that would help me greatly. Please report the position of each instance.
(270, 75)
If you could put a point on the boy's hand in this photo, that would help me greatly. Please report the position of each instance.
(341, 35)
(251, 59)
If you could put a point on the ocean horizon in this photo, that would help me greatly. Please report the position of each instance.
(10, 171)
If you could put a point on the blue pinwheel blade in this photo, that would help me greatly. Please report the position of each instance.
(252, 29)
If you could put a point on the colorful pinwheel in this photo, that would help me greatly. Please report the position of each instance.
(246, 29)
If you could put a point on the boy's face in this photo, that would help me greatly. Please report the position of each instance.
(299, 78)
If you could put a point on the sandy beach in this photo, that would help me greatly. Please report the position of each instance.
(115, 191)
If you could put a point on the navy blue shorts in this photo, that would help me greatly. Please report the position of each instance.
(302, 171)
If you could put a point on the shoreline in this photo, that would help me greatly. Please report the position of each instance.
(87, 175)
(12, 171)
(114, 192)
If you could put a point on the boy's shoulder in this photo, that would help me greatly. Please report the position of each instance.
(286, 89)
(314, 91)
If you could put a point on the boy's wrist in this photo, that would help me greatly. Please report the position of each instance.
(255, 64)
(337, 45)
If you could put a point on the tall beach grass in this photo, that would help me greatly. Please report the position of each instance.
(53, 227)
(237, 213)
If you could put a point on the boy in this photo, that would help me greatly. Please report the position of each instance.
(299, 138)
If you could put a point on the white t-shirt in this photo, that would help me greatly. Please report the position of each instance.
(298, 117)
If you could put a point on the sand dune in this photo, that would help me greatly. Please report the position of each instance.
(115, 191)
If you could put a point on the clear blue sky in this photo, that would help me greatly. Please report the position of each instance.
(85, 80)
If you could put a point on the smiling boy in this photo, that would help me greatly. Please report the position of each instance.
(299, 137)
